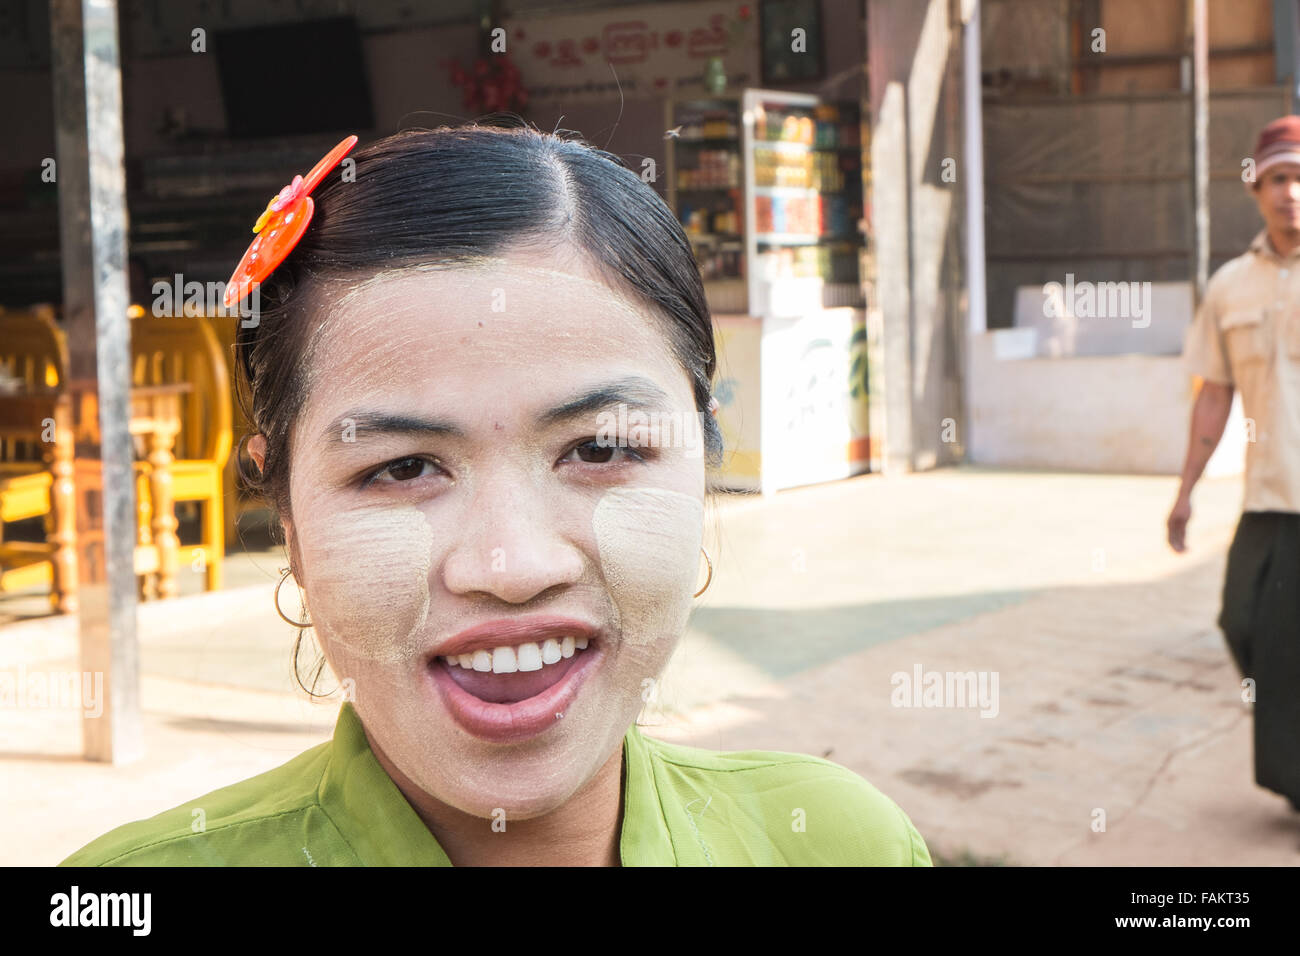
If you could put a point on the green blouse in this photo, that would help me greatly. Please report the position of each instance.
(334, 805)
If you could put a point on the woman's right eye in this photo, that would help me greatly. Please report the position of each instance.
(398, 471)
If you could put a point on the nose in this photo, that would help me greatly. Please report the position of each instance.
(511, 545)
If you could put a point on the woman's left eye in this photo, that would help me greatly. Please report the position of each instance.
(399, 470)
(596, 452)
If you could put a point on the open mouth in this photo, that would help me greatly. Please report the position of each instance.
(514, 692)
(507, 675)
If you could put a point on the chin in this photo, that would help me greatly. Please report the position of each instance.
(525, 779)
(522, 785)
(509, 801)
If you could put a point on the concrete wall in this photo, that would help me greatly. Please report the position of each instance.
(1151, 318)
(1118, 413)
(914, 62)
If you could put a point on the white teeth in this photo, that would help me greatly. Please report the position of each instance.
(504, 660)
(530, 657)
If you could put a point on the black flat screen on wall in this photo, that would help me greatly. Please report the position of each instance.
(294, 78)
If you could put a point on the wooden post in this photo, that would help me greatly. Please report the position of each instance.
(92, 239)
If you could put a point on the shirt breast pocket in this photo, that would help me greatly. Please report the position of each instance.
(1246, 336)
(1291, 332)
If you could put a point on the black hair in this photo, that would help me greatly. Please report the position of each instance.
(461, 193)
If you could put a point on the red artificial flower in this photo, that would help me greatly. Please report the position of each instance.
(281, 225)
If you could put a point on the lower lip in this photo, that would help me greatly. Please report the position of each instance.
(522, 720)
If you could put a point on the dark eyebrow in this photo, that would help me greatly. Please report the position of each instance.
(635, 392)
(366, 423)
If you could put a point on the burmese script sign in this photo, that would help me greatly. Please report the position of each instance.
(651, 50)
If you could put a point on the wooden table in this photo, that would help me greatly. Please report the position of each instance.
(76, 491)
(156, 415)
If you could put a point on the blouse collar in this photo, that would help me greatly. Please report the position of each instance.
(383, 829)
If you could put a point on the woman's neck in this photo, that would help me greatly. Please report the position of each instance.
(584, 831)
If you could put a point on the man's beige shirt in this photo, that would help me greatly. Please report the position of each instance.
(1247, 334)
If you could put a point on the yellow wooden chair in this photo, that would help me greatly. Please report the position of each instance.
(172, 349)
(33, 350)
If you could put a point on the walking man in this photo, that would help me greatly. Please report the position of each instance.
(1247, 335)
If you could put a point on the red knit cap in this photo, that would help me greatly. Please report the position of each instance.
(1279, 142)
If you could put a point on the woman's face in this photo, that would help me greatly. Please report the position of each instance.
(456, 493)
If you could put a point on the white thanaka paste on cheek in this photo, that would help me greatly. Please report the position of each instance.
(649, 545)
(368, 581)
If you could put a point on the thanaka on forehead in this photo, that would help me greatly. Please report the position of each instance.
(363, 313)
(635, 392)
(481, 267)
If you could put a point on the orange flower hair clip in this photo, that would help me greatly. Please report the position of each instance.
(281, 225)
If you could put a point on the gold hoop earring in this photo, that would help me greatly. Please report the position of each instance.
(284, 577)
(709, 579)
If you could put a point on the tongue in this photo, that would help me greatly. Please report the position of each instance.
(508, 688)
